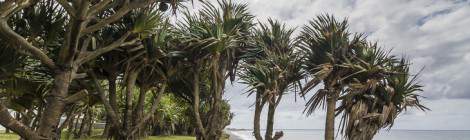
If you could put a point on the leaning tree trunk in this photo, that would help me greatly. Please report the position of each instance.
(330, 114)
(10, 123)
(257, 118)
(270, 121)
(363, 123)
(365, 131)
(216, 118)
(55, 105)
(109, 129)
(201, 132)
(127, 123)
(139, 110)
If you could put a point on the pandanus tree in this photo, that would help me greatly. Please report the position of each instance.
(275, 70)
(381, 89)
(17, 91)
(67, 27)
(373, 86)
(145, 68)
(327, 46)
(212, 40)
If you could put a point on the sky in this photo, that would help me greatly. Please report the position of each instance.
(434, 34)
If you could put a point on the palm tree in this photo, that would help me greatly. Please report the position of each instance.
(144, 66)
(274, 71)
(213, 39)
(327, 46)
(58, 34)
(382, 89)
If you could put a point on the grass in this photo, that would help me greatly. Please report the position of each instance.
(13, 136)
(10, 136)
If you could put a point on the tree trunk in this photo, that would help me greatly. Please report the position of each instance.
(55, 105)
(130, 84)
(362, 135)
(108, 131)
(270, 121)
(330, 114)
(107, 128)
(76, 126)
(201, 134)
(112, 93)
(215, 122)
(10, 123)
(257, 118)
(83, 125)
(216, 118)
(70, 127)
(70, 115)
(139, 109)
(145, 118)
(90, 123)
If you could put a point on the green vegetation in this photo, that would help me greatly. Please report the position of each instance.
(14, 136)
(129, 68)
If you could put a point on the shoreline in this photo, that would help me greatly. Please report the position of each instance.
(233, 135)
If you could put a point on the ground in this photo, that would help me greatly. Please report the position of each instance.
(13, 136)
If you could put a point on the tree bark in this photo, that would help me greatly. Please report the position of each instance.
(153, 109)
(257, 118)
(139, 109)
(81, 131)
(70, 127)
(196, 100)
(215, 122)
(90, 123)
(107, 128)
(19, 128)
(113, 117)
(112, 93)
(55, 105)
(330, 114)
(70, 116)
(270, 121)
(113, 104)
(130, 84)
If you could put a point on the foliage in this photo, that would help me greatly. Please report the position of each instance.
(140, 71)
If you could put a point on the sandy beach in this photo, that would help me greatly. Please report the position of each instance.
(233, 136)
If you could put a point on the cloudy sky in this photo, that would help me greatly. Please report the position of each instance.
(434, 34)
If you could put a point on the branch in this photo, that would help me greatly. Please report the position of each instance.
(8, 7)
(109, 110)
(99, 7)
(24, 44)
(110, 47)
(77, 96)
(152, 110)
(67, 7)
(10, 123)
(116, 16)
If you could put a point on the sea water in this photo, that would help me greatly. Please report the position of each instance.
(315, 134)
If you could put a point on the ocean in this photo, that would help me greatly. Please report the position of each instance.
(316, 134)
